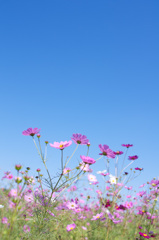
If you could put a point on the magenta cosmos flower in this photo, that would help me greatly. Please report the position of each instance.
(106, 151)
(144, 235)
(127, 145)
(133, 157)
(61, 145)
(118, 152)
(87, 160)
(80, 139)
(70, 227)
(140, 169)
(31, 132)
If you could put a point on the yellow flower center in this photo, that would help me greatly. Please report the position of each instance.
(61, 146)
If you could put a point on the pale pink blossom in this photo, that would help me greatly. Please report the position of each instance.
(31, 132)
(4, 220)
(61, 145)
(70, 227)
(66, 170)
(72, 189)
(80, 139)
(87, 159)
(92, 178)
(71, 205)
(106, 151)
(85, 167)
(26, 228)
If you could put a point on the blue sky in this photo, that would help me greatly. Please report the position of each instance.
(88, 67)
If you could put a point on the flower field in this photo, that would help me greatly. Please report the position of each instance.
(56, 208)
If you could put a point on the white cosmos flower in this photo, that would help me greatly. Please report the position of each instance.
(1, 206)
(112, 179)
(104, 171)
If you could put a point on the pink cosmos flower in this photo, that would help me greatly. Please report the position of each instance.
(140, 169)
(8, 175)
(103, 173)
(127, 145)
(118, 152)
(154, 182)
(99, 192)
(71, 205)
(106, 151)
(66, 170)
(31, 132)
(72, 189)
(141, 193)
(61, 145)
(80, 139)
(133, 157)
(26, 228)
(129, 188)
(4, 220)
(29, 198)
(142, 185)
(49, 212)
(85, 167)
(84, 228)
(70, 227)
(13, 193)
(87, 160)
(144, 235)
(128, 196)
(97, 216)
(12, 204)
(120, 184)
(18, 180)
(92, 178)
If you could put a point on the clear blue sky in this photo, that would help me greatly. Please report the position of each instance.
(89, 67)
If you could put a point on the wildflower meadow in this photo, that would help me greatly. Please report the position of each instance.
(60, 207)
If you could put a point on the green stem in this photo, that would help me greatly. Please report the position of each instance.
(71, 156)
(62, 160)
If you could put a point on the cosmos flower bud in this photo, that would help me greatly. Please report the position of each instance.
(26, 178)
(18, 167)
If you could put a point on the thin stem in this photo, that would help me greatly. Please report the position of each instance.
(108, 165)
(40, 147)
(37, 148)
(123, 161)
(45, 152)
(99, 158)
(127, 166)
(87, 150)
(71, 155)
(62, 160)
(116, 167)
